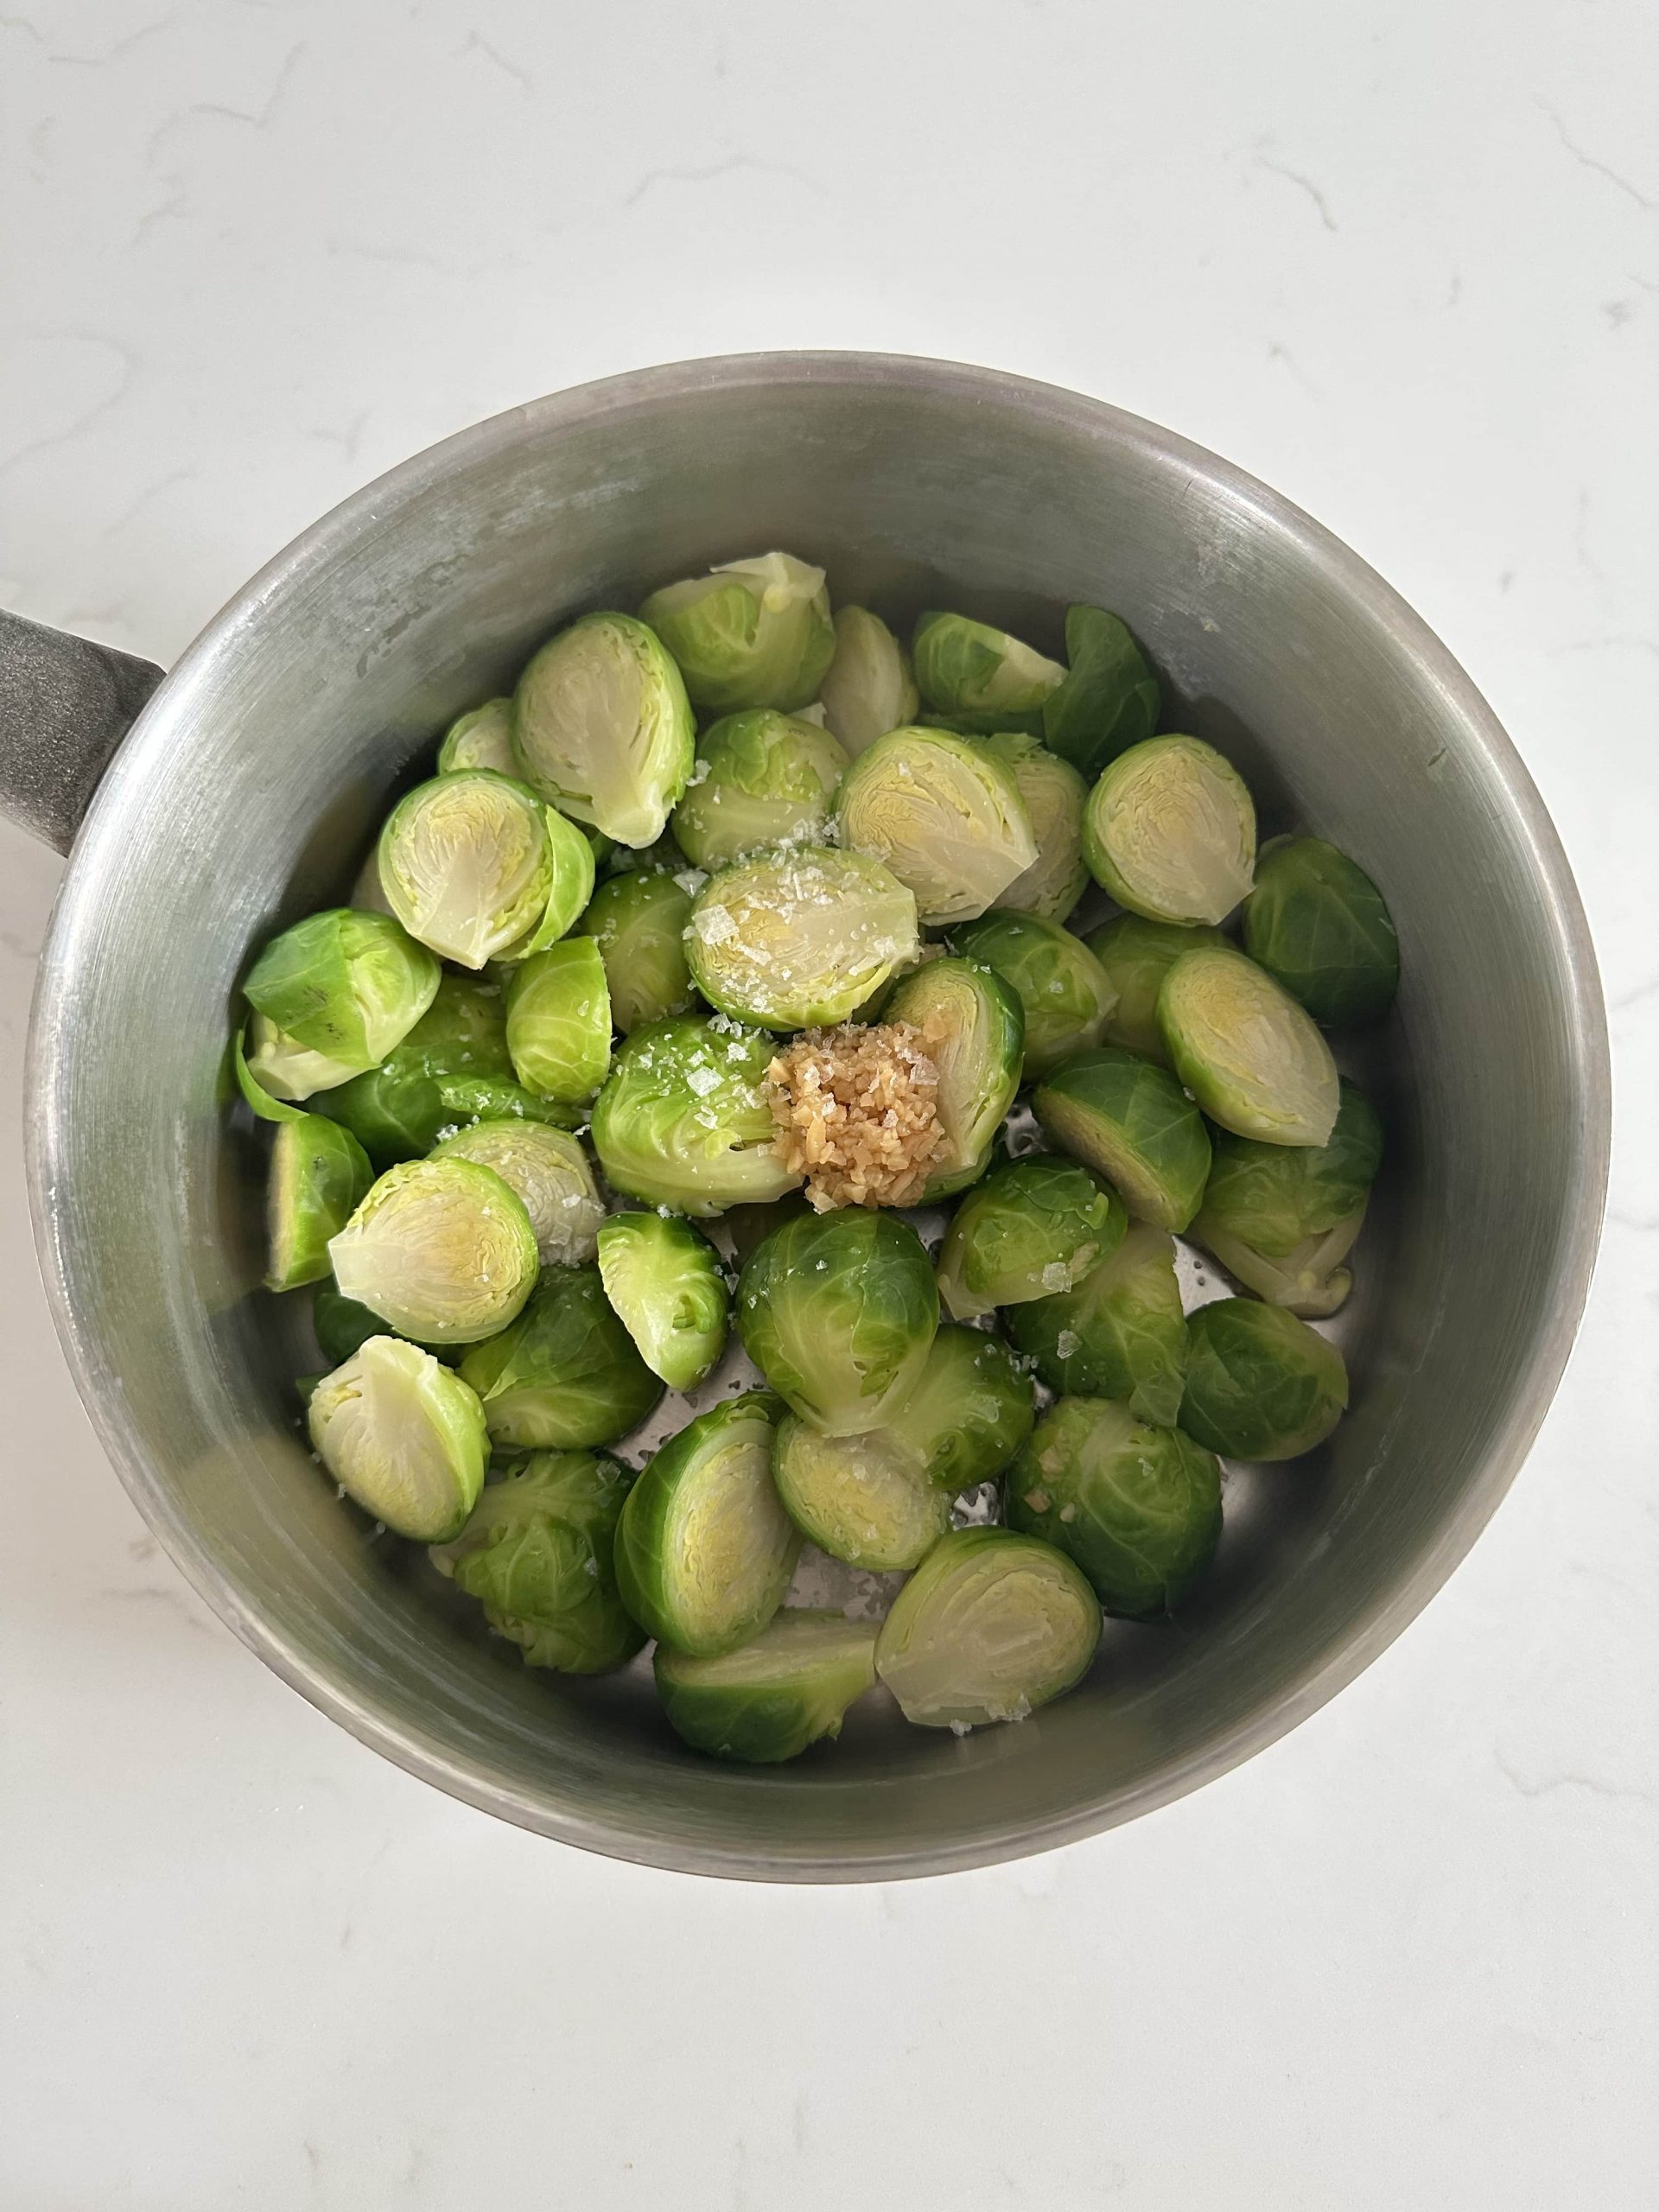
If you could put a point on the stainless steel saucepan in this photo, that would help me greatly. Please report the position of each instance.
(246, 791)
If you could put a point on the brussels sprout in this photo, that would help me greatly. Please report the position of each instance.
(1260, 1384)
(1054, 793)
(969, 1413)
(565, 1374)
(1283, 1217)
(858, 1498)
(1134, 1125)
(704, 1550)
(1033, 1228)
(769, 1699)
(465, 862)
(797, 940)
(602, 728)
(441, 1248)
(481, 738)
(1246, 1051)
(332, 996)
(762, 779)
(1317, 923)
(573, 857)
(980, 677)
(467, 1100)
(637, 921)
(991, 1625)
(536, 1554)
(665, 1281)
(974, 1032)
(463, 1032)
(945, 814)
(1170, 831)
(1120, 1333)
(1137, 955)
(1138, 1508)
(1062, 988)
(319, 1177)
(559, 1021)
(683, 1120)
(548, 1170)
(838, 1312)
(340, 1324)
(751, 633)
(396, 1114)
(403, 1437)
(1110, 698)
(869, 688)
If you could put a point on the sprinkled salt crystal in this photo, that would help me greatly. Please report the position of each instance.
(1068, 1512)
(691, 880)
(702, 1080)
(1066, 1343)
(714, 925)
(1057, 1275)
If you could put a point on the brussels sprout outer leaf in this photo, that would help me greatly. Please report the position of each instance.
(1260, 1384)
(559, 1021)
(1120, 1333)
(768, 1700)
(256, 1097)
(1134, 1125)
(665, 1281)
(969, 1413)
(638, 920)
(1318, 925)
(1030, 1229)
(1063, 990)
(1110, 698)
(565, 1375)
(684, 1120)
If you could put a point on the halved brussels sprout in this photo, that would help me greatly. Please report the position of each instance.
(980, 677)
(1063, 990)
(945, 814)
(481, 738)
(464, 861)
(1170, 831)
(1110, 698)
(637, 921)
(704, 1550)
(991, 1625)
(1318, 925)
(441, 1248)
(548, 1170)
(340, 1324)
(838, 1312)
(1134, 1125)
(565, 1374)
(1029, 1230)
(665, 1281)
(868, 688)
(969, 1413)
(319, 1176)
(684, 1120)
(602, 728)
(1054, 794)
(1120, 1333)
(858, 1498)
(1260, 1384)
(1138, 1508)
(463, 1032)
(762, 779)
(332, 996)
(403, 1437)
(751, 633)
(797, 940)
(974, 1032)
(536, 1554)
(1245, 1049)
(559, 1020)
(1137, 955)
(786, 1688)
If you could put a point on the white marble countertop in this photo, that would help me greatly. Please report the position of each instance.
(1402, 263)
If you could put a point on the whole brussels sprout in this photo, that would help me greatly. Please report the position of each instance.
(481, 738)
(1318, 923)
(1063, 989)
(1138, 1508)
(602, 728)
(565, 1375)
(858, 1498)
(1245, 1049)
(868, 688)
(1260, 1384)
(762, 779)
(751, 633)
(665, 1281)
(332, 996)
(1054, 793)
(441, 1248)
(403, 1437)
(838, 1313)
(684, 1120)
(969, 1413)
(944, 814)
(319, 1176)
(637, 921)
(704, 1549)
(1108, 701)
(797, 940)
(536, 1554)
(1170, 831)
(465, 864)
(1283, 1217)
(1033, 1228)
(548, 1170)
(974, 1032)
(769, 1699)
(991, 1625)
(559, 1020)
(1137, 955)
(1119, 1333)
(980, 677)
(463, 1032)
(1132, 1123)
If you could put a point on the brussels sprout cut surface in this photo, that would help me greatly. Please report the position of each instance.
(1246, 1051)
(1063, 990)
(1283, 1217)
(797, 940)
(602, 728)
(1134, 1125)
(1260, 1384)
(1029, 1230)
(403, 1437)
(481, 738)
(762, 779)
(979, 677)
(858, 1498)
(441, 1248)
(946, 817)
(666, 1283)
(637, 921)
(1138, 1508)
(1110, 698)
(565, 1375)
(768, 1700)
(970, 1412)
(319, 1175)
(1137, 955)
(974, 1032)
(704, 1550)
(548, 1170)
(1318, 923)
(1120, 1333)
(333, 996)
(1170, 831)
(465, 864)
(684, 1120)
(559, 1021)
(751, 633)
(991, 1625)
(1054, 793)
(868, 688)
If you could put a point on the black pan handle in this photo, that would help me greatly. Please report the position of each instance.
(65, 705)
